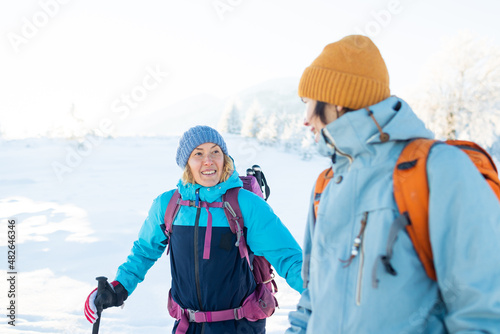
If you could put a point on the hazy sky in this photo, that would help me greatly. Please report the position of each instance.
(110, 58)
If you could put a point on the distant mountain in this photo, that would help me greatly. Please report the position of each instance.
(175, 119)
(274, 96)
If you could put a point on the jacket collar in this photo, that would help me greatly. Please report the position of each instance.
(355, 132)
(208, 194)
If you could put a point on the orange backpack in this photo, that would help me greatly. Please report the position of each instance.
(411, 190)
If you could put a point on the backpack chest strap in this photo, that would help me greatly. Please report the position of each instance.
(231, 210)
(208, 231)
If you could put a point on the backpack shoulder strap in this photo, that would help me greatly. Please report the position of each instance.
(172, 210)
(321, 183)
(482, 160)
(235, 219)
(260, 267)
(411, 189)
(231, 197)
(411, 192)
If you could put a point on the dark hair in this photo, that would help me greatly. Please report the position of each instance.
(319, 111)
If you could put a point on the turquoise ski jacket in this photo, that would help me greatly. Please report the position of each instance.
(464, 221)
(224, 280)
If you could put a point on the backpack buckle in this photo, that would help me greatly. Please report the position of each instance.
(191, 315)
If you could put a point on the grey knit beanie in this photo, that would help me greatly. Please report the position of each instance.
(193, 138)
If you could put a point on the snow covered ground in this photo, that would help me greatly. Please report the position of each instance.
(81, 222)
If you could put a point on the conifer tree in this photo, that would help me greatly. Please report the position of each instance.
(253, 118)
(230, 121)
(461, 98)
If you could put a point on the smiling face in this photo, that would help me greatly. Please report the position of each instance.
(206, 163)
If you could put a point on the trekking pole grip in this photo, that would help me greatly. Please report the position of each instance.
(101, 286)
(258, 174)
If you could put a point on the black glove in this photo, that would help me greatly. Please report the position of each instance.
(113, 295)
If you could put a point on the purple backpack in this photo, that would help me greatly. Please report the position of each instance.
(261, 268)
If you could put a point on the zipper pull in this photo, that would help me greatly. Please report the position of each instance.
(197, 194)
(357, 241)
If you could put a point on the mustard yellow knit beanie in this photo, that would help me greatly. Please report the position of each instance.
(349, 73)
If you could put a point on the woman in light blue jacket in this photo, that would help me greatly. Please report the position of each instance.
(363, 130)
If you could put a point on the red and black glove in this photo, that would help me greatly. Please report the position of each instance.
(113, 295)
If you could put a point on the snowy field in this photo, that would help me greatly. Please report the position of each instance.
(81, 224)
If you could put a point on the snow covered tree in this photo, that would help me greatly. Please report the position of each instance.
(307, 146)
(268, 133)
(230, 121)
(70, 125)
(461, 96)
(293, 132)
(252, 123)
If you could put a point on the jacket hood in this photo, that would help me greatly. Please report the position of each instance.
(355, 132)
(208, 194)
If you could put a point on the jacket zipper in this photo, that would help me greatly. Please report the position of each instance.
(196, 258)
(359, 283)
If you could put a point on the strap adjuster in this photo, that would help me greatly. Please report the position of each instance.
(236, 316)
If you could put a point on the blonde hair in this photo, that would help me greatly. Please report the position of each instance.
(227, 171)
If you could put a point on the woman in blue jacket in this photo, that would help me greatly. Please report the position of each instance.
(351, 288)
(208, 273)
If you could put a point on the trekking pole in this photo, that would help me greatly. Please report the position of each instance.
(267, 190)
(101, 285)
(261, 179)
(258, 174)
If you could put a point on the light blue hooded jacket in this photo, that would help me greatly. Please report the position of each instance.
(464, 222)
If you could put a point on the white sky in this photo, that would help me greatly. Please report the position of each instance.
(89, 53)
